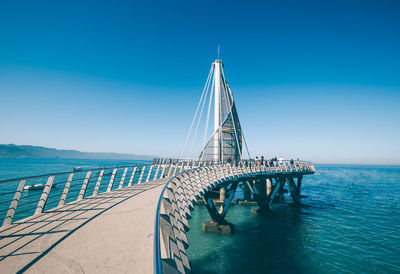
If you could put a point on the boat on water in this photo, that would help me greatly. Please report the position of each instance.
(34, 187)
(105, 173)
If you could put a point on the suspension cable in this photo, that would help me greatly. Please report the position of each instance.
(199, 120)
(208, 115)
(194, 118)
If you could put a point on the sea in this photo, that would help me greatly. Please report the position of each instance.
(348, 222)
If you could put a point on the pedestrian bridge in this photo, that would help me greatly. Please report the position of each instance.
(125, 219)
(134, 218)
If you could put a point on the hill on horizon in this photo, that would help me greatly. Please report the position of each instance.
(28, 151)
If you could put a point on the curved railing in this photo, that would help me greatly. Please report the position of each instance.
(220, 170)
(24, 197)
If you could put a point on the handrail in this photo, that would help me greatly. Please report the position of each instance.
(305, 166)
(157, 251)
(56, 189)
(68, 172)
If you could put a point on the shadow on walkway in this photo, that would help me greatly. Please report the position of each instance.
(21, 243)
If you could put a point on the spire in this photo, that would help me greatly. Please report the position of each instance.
(226, 141)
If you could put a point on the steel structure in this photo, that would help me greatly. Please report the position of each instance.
(225, 143)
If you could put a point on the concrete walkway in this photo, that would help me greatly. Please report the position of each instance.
(109, 233)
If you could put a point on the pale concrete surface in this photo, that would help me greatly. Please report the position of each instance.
(109, 233)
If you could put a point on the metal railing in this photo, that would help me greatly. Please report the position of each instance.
(24, 197)
(272, 165)
(244, 167)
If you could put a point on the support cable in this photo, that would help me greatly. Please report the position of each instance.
(208, 115)
(195, 115)
(201, 114)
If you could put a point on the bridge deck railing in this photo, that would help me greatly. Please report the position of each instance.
(181, 192)
(28, 196)
(271, 165)
(24, 197)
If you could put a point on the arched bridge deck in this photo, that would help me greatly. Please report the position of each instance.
(134, 220)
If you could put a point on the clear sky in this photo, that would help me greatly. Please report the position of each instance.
(318, 80)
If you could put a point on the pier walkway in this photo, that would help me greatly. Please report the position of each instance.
(99, 221)
(134, 219)
(109, 233)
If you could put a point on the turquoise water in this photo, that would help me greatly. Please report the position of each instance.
(349, 223)
(22, 167)
(17, 168)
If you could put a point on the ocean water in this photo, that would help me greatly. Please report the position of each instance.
(349, 222)
(11, 168)
(17, 168)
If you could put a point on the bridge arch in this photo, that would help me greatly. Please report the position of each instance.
(182, 191)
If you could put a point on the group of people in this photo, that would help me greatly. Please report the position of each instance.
(274, 161)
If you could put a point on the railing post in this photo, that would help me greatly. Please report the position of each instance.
(162, 172)
(148, 175)
(14, 204)
(112, 179)
(123, 178)
(97, 186)
(45, 195)
(132, 176)
(66, 190)
(141, 175)
(84, 186)
(170, 170)
(176, 169)
(157, 170)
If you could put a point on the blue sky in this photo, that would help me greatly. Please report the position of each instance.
(318, 80)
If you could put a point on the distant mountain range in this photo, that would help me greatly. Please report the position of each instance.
(15, 151)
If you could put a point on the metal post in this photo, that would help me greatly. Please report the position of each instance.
(66, 190)
(157, 170)
(162, 172)
(123, 178)
(132, 176)
(148, 175)
(97, 186)
(112, 179)
(141, 175)
(45, 195)
(84, 186)
(14, 204)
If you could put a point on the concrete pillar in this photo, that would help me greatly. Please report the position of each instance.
(222, 194)
(247, 192)
(268, 182)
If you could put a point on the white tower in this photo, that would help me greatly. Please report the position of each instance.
(225, 144)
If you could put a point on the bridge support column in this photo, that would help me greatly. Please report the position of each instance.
(247, 192)
(222, 194)
(265, 192)
(218, 224)
(281, 190)
(295, 189)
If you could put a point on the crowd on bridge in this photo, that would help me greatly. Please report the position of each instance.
(275, 162)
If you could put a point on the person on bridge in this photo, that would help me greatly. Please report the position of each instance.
(262, 161)
(256, 161)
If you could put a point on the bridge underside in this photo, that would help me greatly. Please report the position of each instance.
(183, 191)
(264, 189)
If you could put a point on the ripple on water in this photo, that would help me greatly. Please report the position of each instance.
(349, 222)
